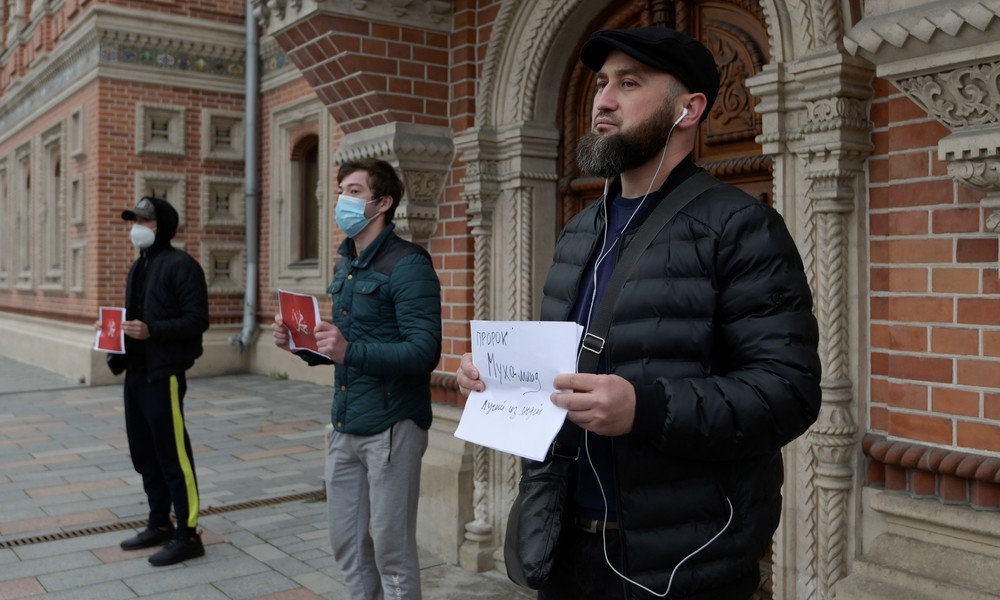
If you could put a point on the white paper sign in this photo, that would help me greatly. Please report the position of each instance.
(518, 361)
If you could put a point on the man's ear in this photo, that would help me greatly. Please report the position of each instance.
(383, 204)
(697, 104)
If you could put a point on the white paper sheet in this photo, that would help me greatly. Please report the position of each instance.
(518, 361)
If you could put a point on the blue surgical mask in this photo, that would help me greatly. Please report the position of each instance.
(350, 215)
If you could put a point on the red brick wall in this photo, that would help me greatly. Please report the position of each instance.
(118, 164)
(371, 73)
(426, 85)
(62, 305)
(935, 295)
(452, 246)
(109, 167)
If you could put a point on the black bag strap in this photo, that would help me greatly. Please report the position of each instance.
(566, 444)
(594, 338)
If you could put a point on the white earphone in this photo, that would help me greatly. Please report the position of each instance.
(684, 113)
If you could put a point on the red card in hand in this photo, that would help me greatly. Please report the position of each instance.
(111, 337)
(300, 314)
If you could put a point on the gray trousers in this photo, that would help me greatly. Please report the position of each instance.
(372, 488)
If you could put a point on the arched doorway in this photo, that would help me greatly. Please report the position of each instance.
(736, 34)
(521, 185)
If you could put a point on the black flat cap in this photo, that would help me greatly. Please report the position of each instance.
(144, 209)
(662, 48)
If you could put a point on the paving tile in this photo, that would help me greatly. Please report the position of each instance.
(20, 588)
(296, 594)
(69, 488)
(115, 554)
(265, 522)
(115, 590)
(265, 552)
(55, 522)
(35, 463)
(289, 566)
(44, 566)
(84, 543)
(195, 592)
(243, 588)
(193, 572)
(96, 574)
(320, 583)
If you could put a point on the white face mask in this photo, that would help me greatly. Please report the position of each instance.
(142, 236)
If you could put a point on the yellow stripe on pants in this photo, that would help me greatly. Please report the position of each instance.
(182, 456)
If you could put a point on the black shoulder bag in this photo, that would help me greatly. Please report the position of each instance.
(538, 513)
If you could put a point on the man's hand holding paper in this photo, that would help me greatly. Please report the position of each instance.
(604, 404)
(297, 328)
(517, 363)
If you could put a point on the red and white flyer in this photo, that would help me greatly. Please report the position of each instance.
(110, 337)
(300, 314)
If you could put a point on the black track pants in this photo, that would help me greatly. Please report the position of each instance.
(160, 448)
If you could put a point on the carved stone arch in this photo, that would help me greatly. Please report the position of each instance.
(515, 143)
(814, 102)
(510, 187)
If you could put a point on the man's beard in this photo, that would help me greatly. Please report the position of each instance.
(608, 155)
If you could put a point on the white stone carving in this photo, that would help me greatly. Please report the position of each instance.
(959, 98)
(276, 15)
(899, 34)
(946, 58)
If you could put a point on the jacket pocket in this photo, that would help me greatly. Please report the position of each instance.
(367, 303)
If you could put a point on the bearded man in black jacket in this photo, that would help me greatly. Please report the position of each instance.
(166, 312)
(710, 365)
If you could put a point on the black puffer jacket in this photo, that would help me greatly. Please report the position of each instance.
(171, 298)
(715, 330)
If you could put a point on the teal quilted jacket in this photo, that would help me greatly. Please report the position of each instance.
(387, 303)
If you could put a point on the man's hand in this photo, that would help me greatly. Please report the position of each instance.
(280, 333)
(604, 404)
(468, 376)
(331, 342)
(135, 329)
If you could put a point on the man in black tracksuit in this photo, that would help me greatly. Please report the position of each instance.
(166, 312)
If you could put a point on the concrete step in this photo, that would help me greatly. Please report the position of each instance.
(861, 586)
(898, 567)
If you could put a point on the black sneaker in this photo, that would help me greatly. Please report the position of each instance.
(149, 537)
(180, 548)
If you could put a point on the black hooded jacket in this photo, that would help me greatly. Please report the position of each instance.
(166, 290)
(715, 331)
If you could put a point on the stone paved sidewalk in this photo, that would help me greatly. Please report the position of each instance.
(68, 492)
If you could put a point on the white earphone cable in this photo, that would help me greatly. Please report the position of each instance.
(586, 434)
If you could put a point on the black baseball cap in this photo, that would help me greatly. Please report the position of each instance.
(662, 48)
(144, 209)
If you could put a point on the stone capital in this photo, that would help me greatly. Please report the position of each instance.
(436, 15)
(423, 155)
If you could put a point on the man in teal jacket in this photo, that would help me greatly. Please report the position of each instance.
(385, 340)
